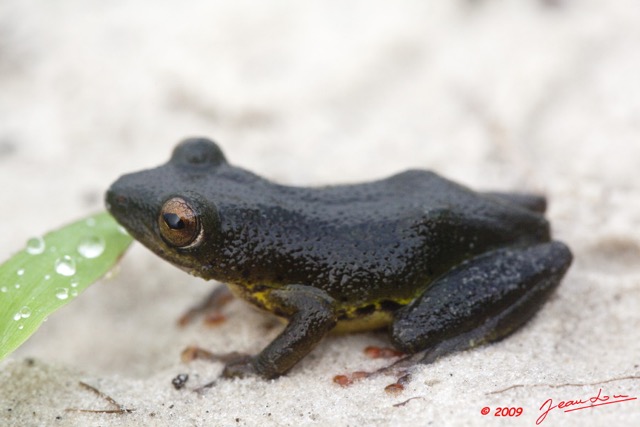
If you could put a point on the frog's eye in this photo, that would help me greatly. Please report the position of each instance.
(179, 224)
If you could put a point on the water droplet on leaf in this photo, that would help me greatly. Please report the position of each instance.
(91, 247)
(24, 313)
(62, 293)
(35, 246)
(65, 266)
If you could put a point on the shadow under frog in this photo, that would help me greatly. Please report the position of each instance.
(443, 267)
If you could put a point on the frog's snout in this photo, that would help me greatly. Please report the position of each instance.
(133, 200)
(124, 204)
(115, 201)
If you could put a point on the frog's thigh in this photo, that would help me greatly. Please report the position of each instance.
(480, 301)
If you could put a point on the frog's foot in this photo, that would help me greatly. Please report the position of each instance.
(236, 364)
(240, 367)
(192, 353)
(209, 308)
(400, 370)
(481, 301)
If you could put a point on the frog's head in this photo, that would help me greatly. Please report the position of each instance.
(165, 210)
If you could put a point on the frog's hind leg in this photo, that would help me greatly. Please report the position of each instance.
(532, 202)
(482, 300)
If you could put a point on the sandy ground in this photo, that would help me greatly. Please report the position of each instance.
(531, 95)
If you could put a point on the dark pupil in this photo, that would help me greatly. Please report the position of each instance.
(173, 221)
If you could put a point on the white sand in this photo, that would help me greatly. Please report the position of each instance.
(530, 95)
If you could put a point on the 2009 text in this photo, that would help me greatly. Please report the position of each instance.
(508, 411)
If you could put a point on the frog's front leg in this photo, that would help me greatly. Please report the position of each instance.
(481, 301)
(311, 314)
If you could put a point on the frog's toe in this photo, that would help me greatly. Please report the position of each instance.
(481, 301)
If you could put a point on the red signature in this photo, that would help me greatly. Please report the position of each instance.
(592, 402)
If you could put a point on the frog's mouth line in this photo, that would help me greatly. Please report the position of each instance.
(172, 258)
(150, 239)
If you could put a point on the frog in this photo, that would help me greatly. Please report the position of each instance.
(442, 267)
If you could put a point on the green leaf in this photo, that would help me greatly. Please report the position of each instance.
(53, 270)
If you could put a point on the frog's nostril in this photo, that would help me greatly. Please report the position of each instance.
(121, 201)
(114, 200)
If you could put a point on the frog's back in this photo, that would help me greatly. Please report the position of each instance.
(382, 241)
(415, 199)
(397, 192)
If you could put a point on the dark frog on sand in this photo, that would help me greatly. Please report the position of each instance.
(445, 268)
